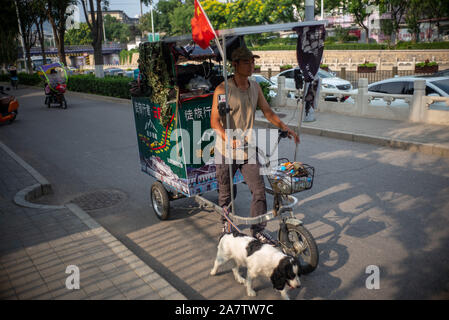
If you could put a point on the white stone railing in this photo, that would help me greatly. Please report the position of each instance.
(413, 108)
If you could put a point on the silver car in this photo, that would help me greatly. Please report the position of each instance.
(435, 86)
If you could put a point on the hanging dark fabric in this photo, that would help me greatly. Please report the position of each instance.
(309, 50)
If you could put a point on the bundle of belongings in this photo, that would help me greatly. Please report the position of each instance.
(290, 177)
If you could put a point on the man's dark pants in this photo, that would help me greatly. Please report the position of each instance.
(253, 179)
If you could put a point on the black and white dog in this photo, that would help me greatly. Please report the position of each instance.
(259, 259)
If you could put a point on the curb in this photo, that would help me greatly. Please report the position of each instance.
(99, 97)
(43, 187)
(426, 148)
(143, 271)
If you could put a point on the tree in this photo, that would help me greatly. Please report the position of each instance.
(358, 8)
(41, 17)
(8, 33)
(27, 16)
(180, 19)
(57, 12)
(80, 36)
(116, 30)
(436, 9)
(95, 24)
(217, 13)
(397, 10)
(161, 16)
(413, 15)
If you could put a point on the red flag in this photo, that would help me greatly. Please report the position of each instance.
(202, 30)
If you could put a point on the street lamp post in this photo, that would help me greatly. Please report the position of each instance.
(152, 23)
(322, 9)
(309, 10)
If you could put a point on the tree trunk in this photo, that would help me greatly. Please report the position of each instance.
(28, 60)
(98, 59)
(40, 31)
(61, 48)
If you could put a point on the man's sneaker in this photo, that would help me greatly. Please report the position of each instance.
(265, 238)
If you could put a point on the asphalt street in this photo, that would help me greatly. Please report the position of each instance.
(370, 205)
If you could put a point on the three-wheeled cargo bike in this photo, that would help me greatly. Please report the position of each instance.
(172, 102)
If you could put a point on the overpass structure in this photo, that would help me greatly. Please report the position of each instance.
(80, 54)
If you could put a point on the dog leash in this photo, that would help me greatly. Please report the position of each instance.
(225, 214)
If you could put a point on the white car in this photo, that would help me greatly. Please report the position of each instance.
(261, 79)
(435, 86)
(328, 81)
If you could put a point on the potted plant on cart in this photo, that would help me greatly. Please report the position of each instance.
(366, 67)
(426, 67)
(286, 67)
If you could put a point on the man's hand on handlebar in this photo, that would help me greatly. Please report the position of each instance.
(287, 132)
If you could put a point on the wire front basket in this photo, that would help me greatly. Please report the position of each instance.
(291, 177)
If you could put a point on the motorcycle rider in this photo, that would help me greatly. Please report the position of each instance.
(13, 75)
(53, 80)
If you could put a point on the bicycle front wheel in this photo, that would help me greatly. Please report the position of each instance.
(297, 241)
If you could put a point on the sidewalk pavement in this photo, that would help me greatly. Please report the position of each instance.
(39, 243)
(417, 137)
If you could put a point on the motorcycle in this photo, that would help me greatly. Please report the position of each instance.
(9, 106)
(56, 95)
(55, 79)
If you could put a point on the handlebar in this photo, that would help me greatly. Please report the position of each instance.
(282, 134)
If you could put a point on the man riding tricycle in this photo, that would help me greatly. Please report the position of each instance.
(180, 90)
(55, 80)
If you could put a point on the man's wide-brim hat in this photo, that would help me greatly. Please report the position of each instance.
(243, 53)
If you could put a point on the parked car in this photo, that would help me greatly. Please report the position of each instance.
(435, 86)
(72, 70)
(441, 73)
(114, 72)
(261, 79)
(328, 81)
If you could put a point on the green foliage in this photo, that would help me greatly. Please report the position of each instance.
(403, 45)
(126, 55)
(367, 65)
(24, 78)
(116, 30)
(426, 63)
(113, 86)
(265, 86)
(173, 16)
(80, 36)
(281, 44)
(156, 70)
(8, 32)
(180, 19)
(354, 46)
(29, 79)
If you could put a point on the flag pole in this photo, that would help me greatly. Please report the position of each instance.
(225, 76)
(217, 42)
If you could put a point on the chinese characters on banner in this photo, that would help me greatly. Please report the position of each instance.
(198, 113)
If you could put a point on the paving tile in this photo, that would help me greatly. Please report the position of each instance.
(37, 245)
